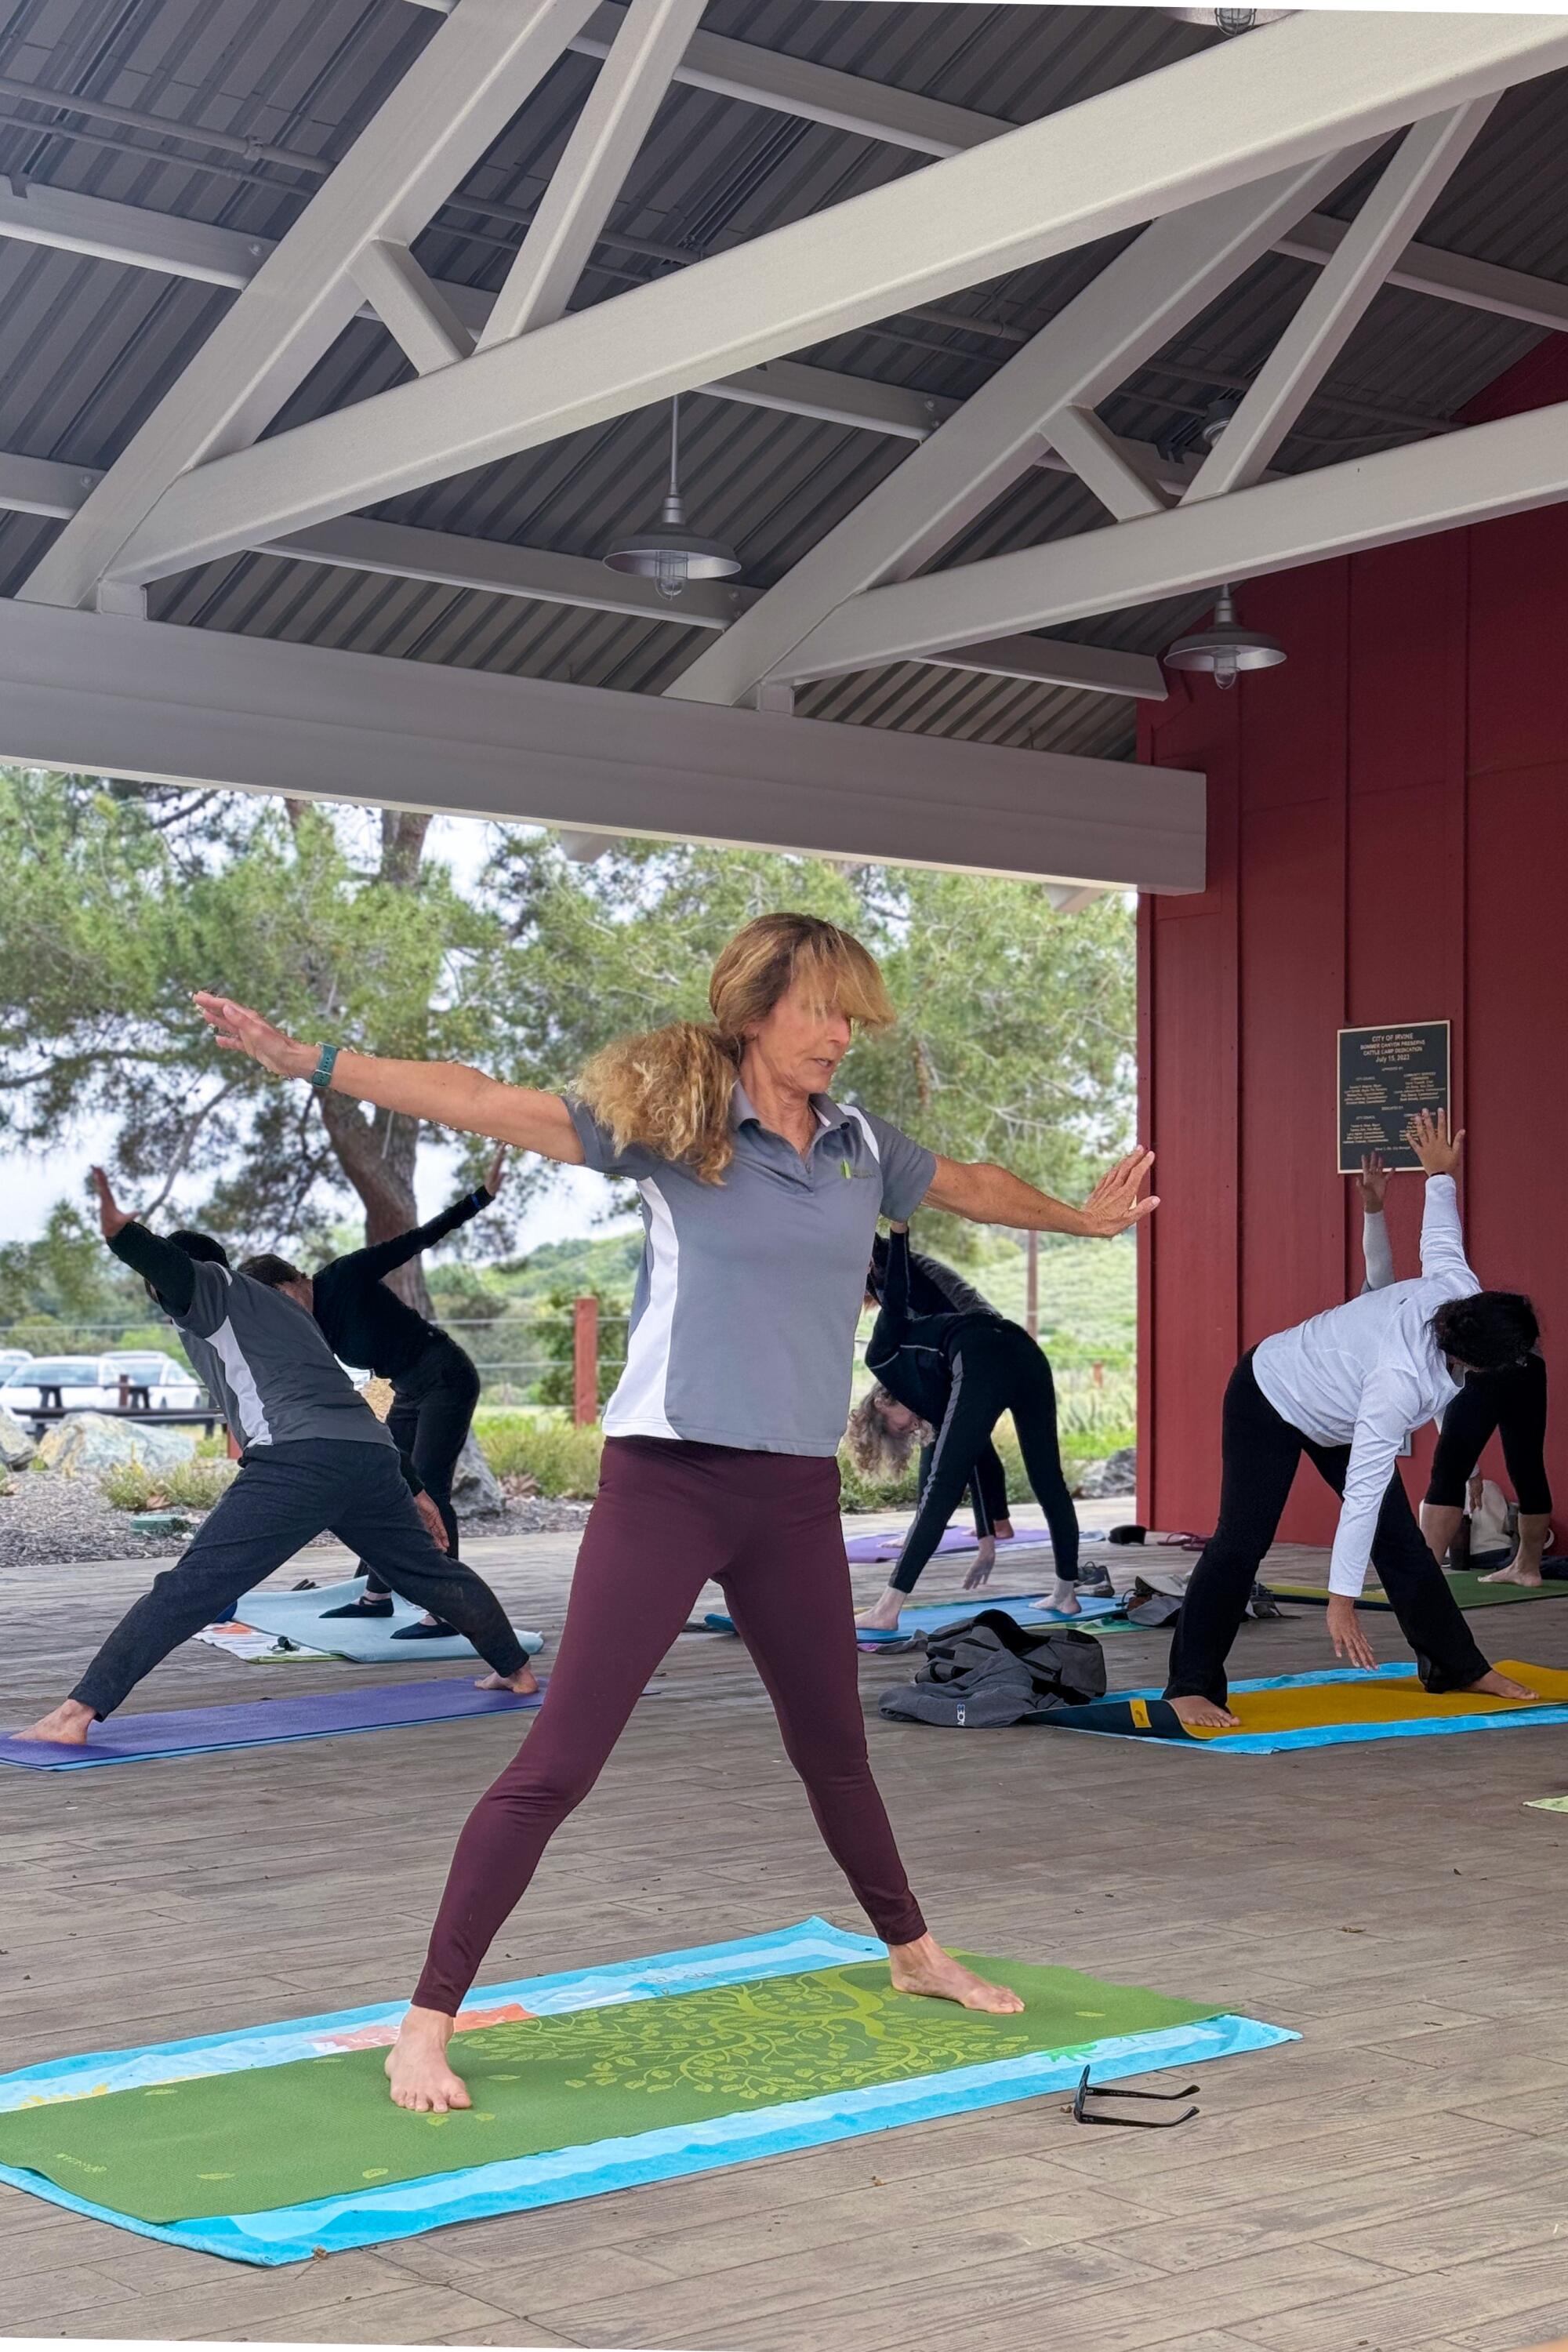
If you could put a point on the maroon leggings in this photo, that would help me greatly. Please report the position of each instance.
(669, 1515)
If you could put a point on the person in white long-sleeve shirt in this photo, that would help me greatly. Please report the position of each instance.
(1509, 1404)
(1345, 1389)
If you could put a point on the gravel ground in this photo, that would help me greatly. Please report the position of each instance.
(47, 1519)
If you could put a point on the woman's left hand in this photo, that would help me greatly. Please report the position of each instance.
(1114, 1205)
(494, 1175)
(985, 1561)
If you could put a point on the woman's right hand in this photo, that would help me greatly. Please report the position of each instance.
(1428, 1139)
(240, 1030)
(1114, 1205)
(1371, 1183)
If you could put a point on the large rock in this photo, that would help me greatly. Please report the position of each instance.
(86, 1442)
(475, 1489)
(16, 1448)
(1117, 1476)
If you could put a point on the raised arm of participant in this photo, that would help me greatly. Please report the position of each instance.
(1442, 1236)
(171, 1273)
(1377, 1253)
(450, 1094)
(381, 1258)
(959, 1296)
(893, 1314)
(989, 1195)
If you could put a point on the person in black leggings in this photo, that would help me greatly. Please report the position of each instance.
(434, 1381)
(962, 1371)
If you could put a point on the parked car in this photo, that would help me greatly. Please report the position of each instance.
(91, 1383)
(11, 1357)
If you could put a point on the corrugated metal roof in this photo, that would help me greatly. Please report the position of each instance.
(88, 347)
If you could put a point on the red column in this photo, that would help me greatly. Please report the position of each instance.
(585, 1360)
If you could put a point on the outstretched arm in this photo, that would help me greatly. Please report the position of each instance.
(384, 1257)
(450, 1094)
(1377, 1254)
(1442, 1235)
(893, 1316)
(169, 1270)
(989, 1195)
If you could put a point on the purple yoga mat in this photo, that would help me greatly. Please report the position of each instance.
(198, 1730)
(891, 1543)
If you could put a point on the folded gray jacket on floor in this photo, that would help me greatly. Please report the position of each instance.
(988, 1671)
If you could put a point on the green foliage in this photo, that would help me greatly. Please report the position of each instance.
(560, 1458)
(194, 1485)
(556, 1339)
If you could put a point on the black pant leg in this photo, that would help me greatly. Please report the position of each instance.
(992, 1480)
(276, 1504)
(1034, 1404)
(1467, 1427)
(376, 1514)
(974, 1400)
(1522, 1421)
(1261, 1453)
(443, 1416)
(403, 1423)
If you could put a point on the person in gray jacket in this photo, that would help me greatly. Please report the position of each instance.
(313, 1457)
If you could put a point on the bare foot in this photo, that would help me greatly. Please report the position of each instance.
(882, 1617)
(416, 2065)
(924, 1968)
(1204, 1714)
(1065, 1602)
(524, 1682)
(1515, 1573)
(68, 1726)
(1503, 1686)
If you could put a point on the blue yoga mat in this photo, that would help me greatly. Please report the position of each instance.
(365, 1641)
(376, 2215)
(935, 1616)
(260, 1723)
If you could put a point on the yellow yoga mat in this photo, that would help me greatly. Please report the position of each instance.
(1398, 1699)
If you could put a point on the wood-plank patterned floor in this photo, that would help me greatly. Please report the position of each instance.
(1398, 2178)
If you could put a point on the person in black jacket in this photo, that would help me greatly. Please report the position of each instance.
(960, 1371)
(935, 1288)
(435, 1384)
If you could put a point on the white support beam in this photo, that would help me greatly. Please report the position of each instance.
(43, 486)
(1215, 122)
(1447, 277)
(1153, 288)
(616, 117)
(416, 313)
(1102, 464)
(1472, 476)
(143, 700)
(456, 99)
(1422, 164)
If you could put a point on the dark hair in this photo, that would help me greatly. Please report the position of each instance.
(202, 1247)
(272, 1270)
(1488, 1330)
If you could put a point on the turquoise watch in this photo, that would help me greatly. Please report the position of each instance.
(321, 1076)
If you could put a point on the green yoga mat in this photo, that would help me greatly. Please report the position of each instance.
(280, 2136)
(1465, 1584)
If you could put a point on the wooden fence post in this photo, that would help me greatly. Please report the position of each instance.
(585, 1361)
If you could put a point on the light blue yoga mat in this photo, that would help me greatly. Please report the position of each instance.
(372, 2215)
(364, 1642)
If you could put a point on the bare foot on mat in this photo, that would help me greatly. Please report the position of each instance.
(416, 2065)
(1065, 1602)
(1202, 1714)
(1531, 1578)
(925, 1969)
(882, 1617)
(1497, 1685)
(524, 1682)
(68, 1726)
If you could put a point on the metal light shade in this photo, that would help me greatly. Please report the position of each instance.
(667, 552)
(1225, 648)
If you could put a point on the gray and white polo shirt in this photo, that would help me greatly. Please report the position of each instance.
(743, 1328)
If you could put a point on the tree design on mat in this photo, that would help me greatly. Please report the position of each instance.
(789, 2038)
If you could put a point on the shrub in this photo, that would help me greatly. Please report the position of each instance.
(560, 1457)
(192, 1486)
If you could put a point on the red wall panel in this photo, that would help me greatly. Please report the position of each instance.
(1389, 841)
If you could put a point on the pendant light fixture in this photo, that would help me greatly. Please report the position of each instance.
(1225, 648)
(667, 552)
(1233, 20)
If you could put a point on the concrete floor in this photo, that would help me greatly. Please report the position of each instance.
(1398, 2178)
